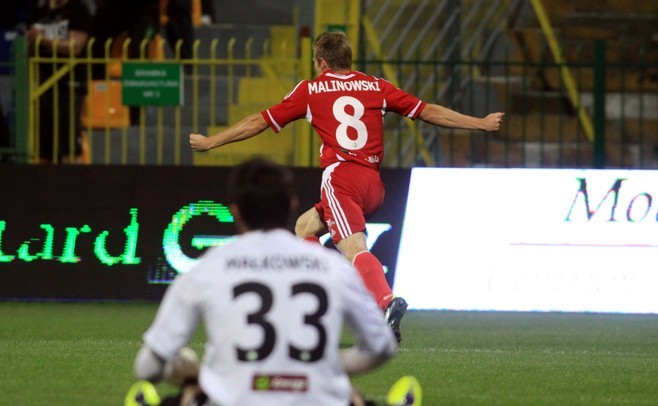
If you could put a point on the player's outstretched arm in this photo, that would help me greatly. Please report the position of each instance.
(246, 128)
(444, 117)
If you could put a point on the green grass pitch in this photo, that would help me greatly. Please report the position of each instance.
(82, 354)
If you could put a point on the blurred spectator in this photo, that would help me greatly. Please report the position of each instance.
(14, 14)
(63, 27)
(136, 19)
(207, 12)
(177, 23)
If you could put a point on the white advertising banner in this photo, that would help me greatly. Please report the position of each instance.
(530, 240)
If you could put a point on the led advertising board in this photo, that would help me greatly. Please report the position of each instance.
(73, 232)
(530, 240)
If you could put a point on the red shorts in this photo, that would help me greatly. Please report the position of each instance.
(350, 194)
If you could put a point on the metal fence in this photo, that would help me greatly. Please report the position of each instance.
(218, 84)
(544, 126)
(611, 120)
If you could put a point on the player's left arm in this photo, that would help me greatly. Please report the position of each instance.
(248, 127)
(148, 365)
(445, 117)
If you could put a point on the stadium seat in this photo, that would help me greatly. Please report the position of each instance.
(102, 106)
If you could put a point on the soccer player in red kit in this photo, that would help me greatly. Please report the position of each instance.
(346, 108)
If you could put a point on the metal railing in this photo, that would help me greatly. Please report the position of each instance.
(115, 133)
(541, 129)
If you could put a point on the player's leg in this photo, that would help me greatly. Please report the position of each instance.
(354, 248)
(349, 193)
(309, 225)
(372, 272)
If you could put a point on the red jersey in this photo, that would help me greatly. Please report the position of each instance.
(347, 111)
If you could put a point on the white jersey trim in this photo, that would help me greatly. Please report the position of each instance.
(293, 90)
(339, 215)
(337, 76)
(415, 108)
(309, 115)
(278, 127)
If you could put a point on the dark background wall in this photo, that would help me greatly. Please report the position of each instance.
(60, 224)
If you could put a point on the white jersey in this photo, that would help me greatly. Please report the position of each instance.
(273, 309)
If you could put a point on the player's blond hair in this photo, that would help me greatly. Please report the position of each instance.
(335, 48)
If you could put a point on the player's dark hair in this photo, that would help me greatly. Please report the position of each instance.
(264, 193)
(335, 48)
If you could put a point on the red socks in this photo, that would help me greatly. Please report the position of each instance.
(372, 273)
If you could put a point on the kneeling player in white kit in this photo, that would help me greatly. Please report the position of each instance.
(273, 308)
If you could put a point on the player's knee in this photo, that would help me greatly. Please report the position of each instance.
(308, 225)
(300, 228)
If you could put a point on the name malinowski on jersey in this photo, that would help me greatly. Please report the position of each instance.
(276, 263)
(342, 86)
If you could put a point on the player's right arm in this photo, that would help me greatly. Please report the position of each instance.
(248, 127)
(292, 108)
